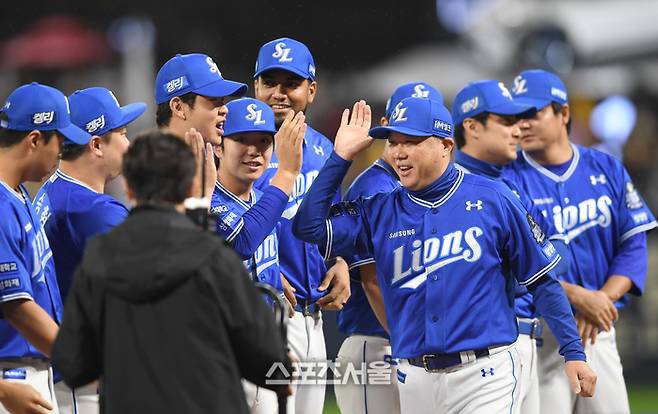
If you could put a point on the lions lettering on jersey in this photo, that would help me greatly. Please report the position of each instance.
(593, 202)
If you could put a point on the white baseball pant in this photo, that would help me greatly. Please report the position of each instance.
(31, 371)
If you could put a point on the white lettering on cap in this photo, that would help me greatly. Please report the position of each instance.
(95, 124)
(470, 105)
(212, 66)
(519, 85)
(442, 125)
(41, 118)
(504, 91)
(559, 93)
(254, 115)
(420, 91)
(398, 113)
(281, 52)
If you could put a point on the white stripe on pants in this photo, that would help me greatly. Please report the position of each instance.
(84, 400)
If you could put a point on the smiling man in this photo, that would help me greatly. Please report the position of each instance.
(449, 247)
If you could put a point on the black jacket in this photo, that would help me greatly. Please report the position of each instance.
(167, 317)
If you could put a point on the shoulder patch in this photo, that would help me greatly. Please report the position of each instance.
(344, 207)
(632, 198)
(535, 229)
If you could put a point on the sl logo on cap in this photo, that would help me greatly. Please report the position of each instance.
(519, 85)
(213, 66)
(40, 118)
(7, 105)
(95, 124)
(398, 113)
(281, 52)
(420, 91)
(254, 115)
(504, 90)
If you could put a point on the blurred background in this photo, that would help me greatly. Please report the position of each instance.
(605, 50)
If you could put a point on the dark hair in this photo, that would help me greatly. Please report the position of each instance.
(460, 140)
(11, 137)
(557, 108)
(163, 114)
(159, 168)
(71, 151)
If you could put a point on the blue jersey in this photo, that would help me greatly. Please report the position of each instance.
(523, 304)
(447, 267)
(301, 263)
(26, 268)
(71, 212)
(357, 316)
(264, 261)
(594, 204)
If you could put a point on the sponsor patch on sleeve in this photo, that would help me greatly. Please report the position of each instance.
(344, 208)
(632, 198)
(535, 229)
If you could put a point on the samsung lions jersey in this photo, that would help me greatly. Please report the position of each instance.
(446, 268)
(264, 264)
(594, 204)
(71, 212)
(26, 268)
(300, 262)
(357, 316)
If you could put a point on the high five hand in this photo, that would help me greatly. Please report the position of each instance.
(352, 136)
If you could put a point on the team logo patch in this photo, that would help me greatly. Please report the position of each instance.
(281, 52)
(519, 86)
(41, 118)
(398, 113)
(14, 374)
(6, 106)
(633, 200)
(420, 91)
(342, 208)
(504, 91)
(470, 105)
(537, 232)
(254, 114)
(311, 69)
(212, 66)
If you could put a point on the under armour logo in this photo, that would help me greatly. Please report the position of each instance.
(398, 113)
(95, 124)
(43, 118)
(504, 90)
(470, 205)
(254, 115)
(281, 52)
(484, 372)
(597, 180)
(318, 150)
(212, 66)
(420, 91)
(519, 86)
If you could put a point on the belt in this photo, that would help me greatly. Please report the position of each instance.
(306, 307)
(531, 327)
(435, 363)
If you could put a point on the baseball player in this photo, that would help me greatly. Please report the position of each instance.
(191, 96)
(285, 80)
(448, 247)
(247, 217)
(487, 135)
(591, 199)
(34, 121)
(72, 206)
(368, 340)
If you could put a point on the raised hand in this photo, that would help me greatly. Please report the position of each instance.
(203, 154)
(352, 136)
(288, 143)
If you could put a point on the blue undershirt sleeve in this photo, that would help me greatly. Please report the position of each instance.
(631, 261)
(552, 304)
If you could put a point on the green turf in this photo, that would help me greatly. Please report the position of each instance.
(643, 400)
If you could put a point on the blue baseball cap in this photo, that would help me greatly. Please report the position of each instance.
(287, 54)
(97, 111)
(412, 90)
(539, 88)
(41, 107)
(418, 117)
(486, 96)
(248, 115)
(196, 73)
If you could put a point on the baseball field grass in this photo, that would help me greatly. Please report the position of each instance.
(643, 400)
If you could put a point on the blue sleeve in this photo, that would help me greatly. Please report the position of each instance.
(338, 230)
(634, 214)
(631, 261)
(552, 304)
(258, 222)
(15, 280)
(530, 255)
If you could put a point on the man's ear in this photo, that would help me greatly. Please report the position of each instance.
(95, 145)
(312, 90)
(32, 140)
(448, 145)
(566, 114)
(177, 107)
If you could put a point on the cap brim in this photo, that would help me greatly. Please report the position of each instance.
(221, 88)
(382, 132)
(538, 104)
(246, 130)
(74, 134)
(290, 69)
(131, 112)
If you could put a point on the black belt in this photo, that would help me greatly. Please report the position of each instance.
(434, 363)
(306, 307)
